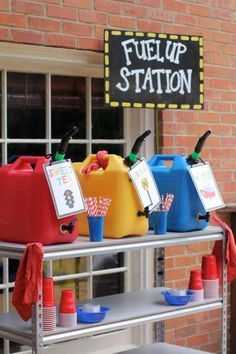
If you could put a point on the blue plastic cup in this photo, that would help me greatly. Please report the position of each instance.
(96, 226)
(160, 222)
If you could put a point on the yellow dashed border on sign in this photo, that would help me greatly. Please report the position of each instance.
(198, 39)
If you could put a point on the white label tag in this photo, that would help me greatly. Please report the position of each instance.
(206, 186)
(65, 188)
(145, 185)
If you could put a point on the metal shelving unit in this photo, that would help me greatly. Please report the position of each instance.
(128, 309)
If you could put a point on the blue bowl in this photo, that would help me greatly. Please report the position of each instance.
(91, 317)
(177, 300)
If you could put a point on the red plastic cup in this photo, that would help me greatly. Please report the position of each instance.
(67, 302)
(209, 267)
(195, 281)
(48, 293)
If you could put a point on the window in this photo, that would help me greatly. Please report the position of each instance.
(44, 92)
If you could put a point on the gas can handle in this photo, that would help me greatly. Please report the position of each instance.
(165, 157)
(27, 163)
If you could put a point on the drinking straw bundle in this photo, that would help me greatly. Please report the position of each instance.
(97, 206)
(165, 202)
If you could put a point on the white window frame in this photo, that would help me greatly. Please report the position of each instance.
(58, 61)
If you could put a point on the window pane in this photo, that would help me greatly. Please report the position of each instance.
(16, 150)
(108, 284)
(107, 122)
(110, 148)
(75, 152)
(68, 105)
(25, 105)
(78, 286)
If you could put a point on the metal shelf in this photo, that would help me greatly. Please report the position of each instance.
(163, 348)
(83, 247)
(126, 310)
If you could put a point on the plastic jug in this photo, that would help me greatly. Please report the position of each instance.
(187, 206)
(27, 212)
(122, 217)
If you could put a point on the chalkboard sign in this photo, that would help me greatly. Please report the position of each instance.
(153, 70)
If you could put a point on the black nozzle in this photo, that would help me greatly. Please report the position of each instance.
(132, 157)
(195, 156)
(64, 143)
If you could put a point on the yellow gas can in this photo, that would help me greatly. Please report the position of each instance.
(112, 182)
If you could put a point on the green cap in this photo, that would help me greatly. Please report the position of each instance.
(133, 157)
(195, 155)
(59, 157)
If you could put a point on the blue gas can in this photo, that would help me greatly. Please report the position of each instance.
(172, 176)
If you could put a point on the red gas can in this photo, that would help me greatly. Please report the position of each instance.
(27, 212)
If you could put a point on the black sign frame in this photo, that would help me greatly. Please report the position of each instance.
(169, 66)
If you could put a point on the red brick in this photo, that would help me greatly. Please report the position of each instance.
(79, 4)
(220, 106)
(176, 250)
(221, 13)
(4, 5)
(210, 23)
(108, 6)
(178, 322)
(174, 129)
(220, 84)
(61, 12)
(158, 14)
(57, 2)
(90, 44)
(228, 118)
(12, 19)
(44, 24)
(77, 29)
(210, 117)
(221, 37)
(210, 325)
(175, 6)
(184, 261)
(218, 59)
(197, 340)
(198, 317)
(98, 18)
(226, 26)
(27, 7)
(188, 20)
(122, 22)
(212, 47)
(27, 36)
(228, 95)
(175, 274)
(199, 10)
(150, 3)
(186, 331)
(58, 40)
(134, 11)
(149, 26)
(4, 34)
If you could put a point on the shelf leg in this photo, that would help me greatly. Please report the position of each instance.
(37, 331)
(224, 295)
(160, 281)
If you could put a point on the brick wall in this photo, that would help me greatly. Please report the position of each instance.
(79, 24)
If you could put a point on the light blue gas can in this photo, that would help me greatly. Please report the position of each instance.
(172, 176)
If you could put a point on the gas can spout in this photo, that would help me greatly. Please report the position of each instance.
(195, 156)
(132, 157)
(60, 154)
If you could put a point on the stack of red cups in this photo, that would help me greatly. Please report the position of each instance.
(210, 277)
(67, 316)
(195, 284)
(49, 308)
